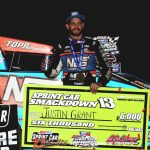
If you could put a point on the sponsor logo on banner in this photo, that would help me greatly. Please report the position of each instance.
(16, 45)
(43, 139)
(84, 140)
(123, 140)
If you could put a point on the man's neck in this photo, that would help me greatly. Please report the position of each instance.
(76, 37)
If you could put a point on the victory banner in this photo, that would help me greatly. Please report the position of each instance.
(71, 117)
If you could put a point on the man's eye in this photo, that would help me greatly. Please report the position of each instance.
(72, 23)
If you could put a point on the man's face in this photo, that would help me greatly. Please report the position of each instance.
(75, 26)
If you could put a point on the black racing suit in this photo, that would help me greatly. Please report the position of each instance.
(93, 63)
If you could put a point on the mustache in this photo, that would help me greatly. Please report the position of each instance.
(76, 29)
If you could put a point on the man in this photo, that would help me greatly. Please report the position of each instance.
(79, 57)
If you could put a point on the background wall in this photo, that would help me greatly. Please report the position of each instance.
(43, 22)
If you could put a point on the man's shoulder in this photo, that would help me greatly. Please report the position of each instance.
(91, 40)
(61, 44)
(88, 38)
(64, 42)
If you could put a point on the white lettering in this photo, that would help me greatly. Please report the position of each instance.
(14, 89)
(3, 116)
(12, 137)
(71, 62)
(4, 148)
(18, 44)
(3, 138)
(71, 97)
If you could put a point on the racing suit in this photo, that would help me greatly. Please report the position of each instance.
(94, 63)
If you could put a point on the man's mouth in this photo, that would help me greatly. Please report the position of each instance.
(76, 30)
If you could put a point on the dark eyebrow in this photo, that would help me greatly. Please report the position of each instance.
(76, 22)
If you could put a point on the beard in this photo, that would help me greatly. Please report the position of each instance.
(76, 32)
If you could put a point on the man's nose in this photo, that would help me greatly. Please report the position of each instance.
(76, 26)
